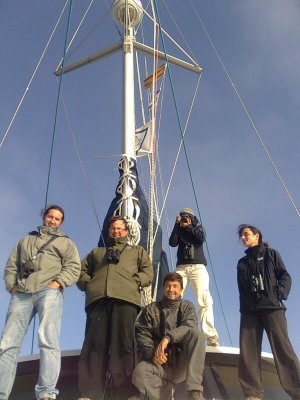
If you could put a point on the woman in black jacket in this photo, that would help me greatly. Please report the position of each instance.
(263, 283)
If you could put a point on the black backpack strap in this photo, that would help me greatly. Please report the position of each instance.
(42, 248)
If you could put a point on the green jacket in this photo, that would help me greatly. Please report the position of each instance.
(59, 261)
(122, 280)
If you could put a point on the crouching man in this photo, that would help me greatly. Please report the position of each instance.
(172, 349)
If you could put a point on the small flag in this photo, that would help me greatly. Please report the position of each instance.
(156, 98)
(143, 139)
(148, 82)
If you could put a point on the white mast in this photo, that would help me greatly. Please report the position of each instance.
(128, 13)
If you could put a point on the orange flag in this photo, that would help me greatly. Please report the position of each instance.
(148, 82)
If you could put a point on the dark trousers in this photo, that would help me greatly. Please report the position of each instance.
(108, 346)
(253, 323)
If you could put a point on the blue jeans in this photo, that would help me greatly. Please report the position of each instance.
(47, 304)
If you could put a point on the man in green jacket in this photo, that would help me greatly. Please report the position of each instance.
(112, 278)
(43, 263)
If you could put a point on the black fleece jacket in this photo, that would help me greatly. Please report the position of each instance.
(179, 317)
(276, 280)
(192, 235)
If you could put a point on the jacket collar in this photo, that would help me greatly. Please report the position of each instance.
(118, 240)
(255, 251)
(173, 304)
(49, 230)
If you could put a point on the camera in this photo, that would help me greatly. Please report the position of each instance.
(184, 218)
(113, 256)
(188, 252)
(257, 283)
(27, 269)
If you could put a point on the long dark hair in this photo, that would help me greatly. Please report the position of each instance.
(254, 230)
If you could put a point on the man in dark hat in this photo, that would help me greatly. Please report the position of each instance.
(189, 235)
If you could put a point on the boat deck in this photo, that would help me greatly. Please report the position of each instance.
(220, 377)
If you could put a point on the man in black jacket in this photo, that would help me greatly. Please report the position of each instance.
(170, 345)
(189, 236)
(263, 283)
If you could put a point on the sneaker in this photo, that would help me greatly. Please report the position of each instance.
(213, 341)
(195, 395)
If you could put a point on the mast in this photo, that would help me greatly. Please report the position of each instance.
(128, 13)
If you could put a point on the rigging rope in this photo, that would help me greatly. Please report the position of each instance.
(179, 30)
(57, 103)
(32, 77)
(247, 112)
(152, 148)
(169, 37)
(75, 33)
(167, 224)
(179, 149)
(53, 137)
(188, 164)
(87, 36)
(83, 169)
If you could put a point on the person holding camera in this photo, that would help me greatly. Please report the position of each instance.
(112, 279)
(189, 236)
(264, 283)
(171, 348)
(43, 263)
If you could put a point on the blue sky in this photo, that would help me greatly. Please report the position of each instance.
(234, 181)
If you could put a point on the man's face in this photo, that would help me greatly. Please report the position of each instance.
(117, 229)
(53, 218)
(172, 290)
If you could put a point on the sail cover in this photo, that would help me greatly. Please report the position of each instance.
(160, 262)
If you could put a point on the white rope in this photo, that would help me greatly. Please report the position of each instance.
(156, 282)
(134, 230)
(247, 113)
(178, 152)
(140, 88)
(76, 31)
(179, 30)
(82, 168)
(170, 37)
(160, 170)
(32, 77)
(152, 166)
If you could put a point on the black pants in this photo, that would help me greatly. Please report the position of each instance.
(253, 323)
(108, 346)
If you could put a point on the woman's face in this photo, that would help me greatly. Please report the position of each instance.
(249, 238)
